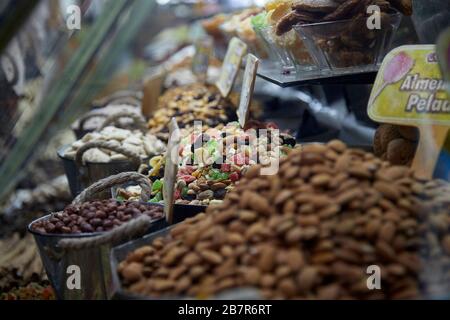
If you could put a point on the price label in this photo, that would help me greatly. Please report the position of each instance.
(153, 85)
(200, 62)
(231, 64)
(443, 53)
(410, 90)
(248, 85)
(171, 169)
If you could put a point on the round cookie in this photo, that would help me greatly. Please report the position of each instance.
(400, 151)
(409, 133)
(323, 6)
(383, 135)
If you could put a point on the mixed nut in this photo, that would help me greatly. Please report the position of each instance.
(95, 216)
(308, 232)
(213, 161)
(197, 102)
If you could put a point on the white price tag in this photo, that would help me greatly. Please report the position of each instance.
(153, 85)
(171, 169)
(200, 62)
(231, 64)
(248, 85)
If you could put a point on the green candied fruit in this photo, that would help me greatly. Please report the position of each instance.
(120, 198)
(224, 176)
(157, 185)
(259, 21)
(184, 192)
(157, 198)
(212, 146)
(217, 175)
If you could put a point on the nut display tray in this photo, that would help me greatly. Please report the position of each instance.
(348, 46)
(344, 51)
(120, 253)
(271, 72)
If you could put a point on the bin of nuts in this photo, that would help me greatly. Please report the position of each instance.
(308, 232)
(94, 119)
(197, 102)
(213, 161)
(101, 154)
(83, 233)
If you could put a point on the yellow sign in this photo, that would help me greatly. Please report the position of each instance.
(409, 89)
(231, 64)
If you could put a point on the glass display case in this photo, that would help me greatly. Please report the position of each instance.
(91, 91)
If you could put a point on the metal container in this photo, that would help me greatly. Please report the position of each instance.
(82, 175)
(93, 264)
(70, 168)
(91, 260)
(186, 210)
(120, 253)
(124, 97)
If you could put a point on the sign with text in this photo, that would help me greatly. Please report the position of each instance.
(410, 90)
(230, 67)
(200, 62)
(171, 169)
(248, 85)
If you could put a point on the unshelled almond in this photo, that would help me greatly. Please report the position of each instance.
(267, 258)
(132, 272)
(283, 196)
(211, 256)
(387, 232)
(387, 190)
(307, 278)
(191, 259)
(320, 180)
(337, 145)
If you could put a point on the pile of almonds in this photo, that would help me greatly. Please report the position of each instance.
(95, 216)
(309, 232)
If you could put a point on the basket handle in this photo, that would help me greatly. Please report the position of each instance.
(118, 179)
(82, 121)
(128, 230)
(128, 97)
(134, 157)
(138, 120)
